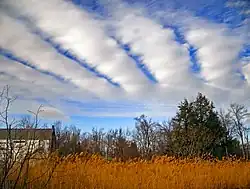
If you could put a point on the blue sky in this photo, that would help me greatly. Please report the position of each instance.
(102, 63)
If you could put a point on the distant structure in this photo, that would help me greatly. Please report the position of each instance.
(25, 140)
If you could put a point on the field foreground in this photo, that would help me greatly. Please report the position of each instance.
(80, 172)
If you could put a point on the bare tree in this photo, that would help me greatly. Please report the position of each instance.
(227, 123)
(145, 136)
(67, 139)
(111, 144)
(109, 138)
(97, 138)
(163, 142)
(6, 148)
(19, 148)
(239, 114)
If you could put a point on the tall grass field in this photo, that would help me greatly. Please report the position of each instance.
(94, 172)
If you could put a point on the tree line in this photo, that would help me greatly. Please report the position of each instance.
(197, 130)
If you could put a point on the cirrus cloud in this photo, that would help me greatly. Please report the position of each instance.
(153, 42)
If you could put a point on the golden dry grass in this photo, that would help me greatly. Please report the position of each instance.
(80, 172)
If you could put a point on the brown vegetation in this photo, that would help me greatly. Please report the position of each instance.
(83, 172)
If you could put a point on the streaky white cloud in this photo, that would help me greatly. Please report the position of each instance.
(49, 112)
(118, 109)
(167, 60)
(222, 91)
(29, 47)
(25, 99)
(246, 71)
(246, 12)
(20, 89)
(78, 32)
(33, 80)
(217, 54)
(227, 43)
(23, 106)
(129, 114)
(236, 3)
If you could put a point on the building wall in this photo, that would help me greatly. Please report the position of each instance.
(21, 147)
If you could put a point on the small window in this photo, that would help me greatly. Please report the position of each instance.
(19, 141)
(2, 148)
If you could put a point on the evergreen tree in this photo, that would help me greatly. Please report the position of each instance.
(196, 128)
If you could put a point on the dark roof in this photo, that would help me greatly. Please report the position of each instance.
(25, 134)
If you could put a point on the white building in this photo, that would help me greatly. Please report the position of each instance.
(23, 141)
